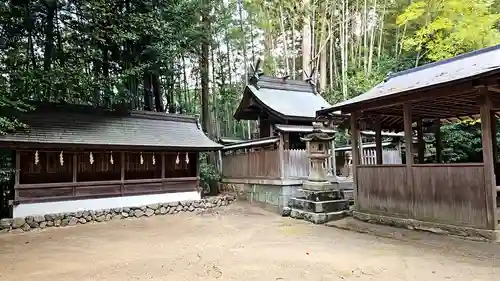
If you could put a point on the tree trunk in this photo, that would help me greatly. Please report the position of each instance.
(306, 44)
(158, 95)
(294, 58)
(148, 95)
(285, 43)
(380, 46)
(204, 67)
(372, 42)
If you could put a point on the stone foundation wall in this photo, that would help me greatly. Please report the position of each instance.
(271, 197)
(92, 216)
(437, 228)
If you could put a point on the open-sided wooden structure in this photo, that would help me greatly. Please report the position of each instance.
(464, 195)
(74, 158)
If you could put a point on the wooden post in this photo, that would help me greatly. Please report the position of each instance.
(281, 147)
(489, 170)
(75, 166)
(162, 165)
(407, 116)
(355, 155)
(493, 119)
(122, 172)
(378, 140)
(439, 145)
(421, 143)
(361, 152)
(408, 134)
(17, 176)
(334, 160)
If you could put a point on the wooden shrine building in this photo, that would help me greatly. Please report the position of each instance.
(73, 158)
(281, 104)
(458, 197)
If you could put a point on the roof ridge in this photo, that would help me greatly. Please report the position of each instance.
(441, 62)
(162, 116)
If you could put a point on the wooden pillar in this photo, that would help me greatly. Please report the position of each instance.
(421, 143)
(355, 155)
(407, 116)
(408, 134)
(281, 151)
(17, 176)
(75, 167)
(334, 160)
(378, 140)
(122, 165)
(360, 143)
(162, 165)
(489, 172)
(439, 145)
(494, 138)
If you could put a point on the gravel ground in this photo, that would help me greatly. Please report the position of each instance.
(240, 242)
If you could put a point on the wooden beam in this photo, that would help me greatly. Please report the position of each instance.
(489, 170)
(421, 143)
(355, 155)
(439, 144)
(378, 140)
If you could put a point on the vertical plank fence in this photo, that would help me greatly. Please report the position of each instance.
(254, 164)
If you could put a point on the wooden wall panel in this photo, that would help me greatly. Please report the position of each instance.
(383, 189)
(98, 190)
(254, 164)
(34, 193)
(452, 193)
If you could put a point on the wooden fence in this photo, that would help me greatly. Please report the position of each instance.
(255, 164)
(443, 193)
(296, 163)
(369, 157)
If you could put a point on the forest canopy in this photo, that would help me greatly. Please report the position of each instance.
(191, 56)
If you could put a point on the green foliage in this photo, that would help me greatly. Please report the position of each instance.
(444, 29)
(462, 142)
(209, 176)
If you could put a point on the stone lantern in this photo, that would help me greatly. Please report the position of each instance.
(318, 144)
(320, 200)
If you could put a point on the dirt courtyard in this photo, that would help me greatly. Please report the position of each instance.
(240, 242)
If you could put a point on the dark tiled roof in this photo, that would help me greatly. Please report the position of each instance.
(290, 99)
(465, 66)
(104, 128)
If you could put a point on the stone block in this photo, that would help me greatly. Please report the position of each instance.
(18, 222)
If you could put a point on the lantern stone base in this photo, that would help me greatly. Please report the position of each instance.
(318, 206)
(317, 218)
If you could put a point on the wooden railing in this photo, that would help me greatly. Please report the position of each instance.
(444, 193)
(255, 164)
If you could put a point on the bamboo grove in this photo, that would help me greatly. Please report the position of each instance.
(193, 56)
